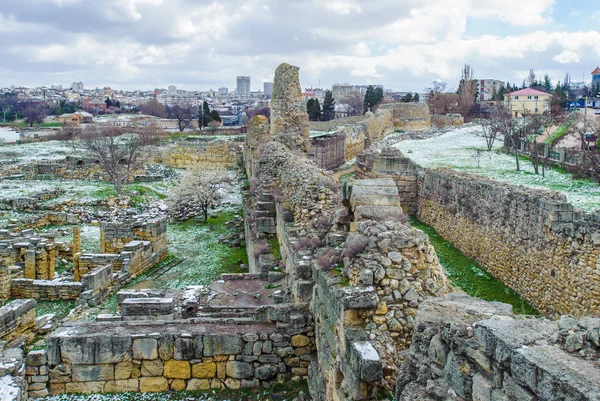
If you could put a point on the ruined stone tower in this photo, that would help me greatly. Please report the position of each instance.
(289, 119)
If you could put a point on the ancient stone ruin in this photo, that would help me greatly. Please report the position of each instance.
(341, 291)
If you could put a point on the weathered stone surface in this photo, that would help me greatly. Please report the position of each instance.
(153, 384)
(239, 370)
(204, 370)
(225, 344)
(145, 348)
(121, 386)
(152, 367)
(89, 373)
(174, 369)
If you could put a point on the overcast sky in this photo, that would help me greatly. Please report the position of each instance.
(197, 44)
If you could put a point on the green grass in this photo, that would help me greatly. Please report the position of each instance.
(25, 125)
(348, 176)
(205, 257)
(469, 276)
(274, 245)
(60, 308)
(559, 133)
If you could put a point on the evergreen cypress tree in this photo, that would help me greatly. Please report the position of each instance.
(328, 107)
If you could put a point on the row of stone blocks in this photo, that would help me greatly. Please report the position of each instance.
(182, 356)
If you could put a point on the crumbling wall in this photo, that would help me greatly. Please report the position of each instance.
(328, 151)
(447, 120)
(176, 355)
(363, 134)
(466, 348)
(390, 163)
(532, 240)
(17, 318)
(221, 153)
(409, 116)
(114, 236)
(46, 290)
(289, 118)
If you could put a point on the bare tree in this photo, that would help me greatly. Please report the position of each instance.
(183, 115)
(490, 130)
(34, 114)
(199, 190)
(353, 103)
(587, 129)
(531, 80)
(437, 87)
(118, 154)
(467, 89)
(153, 108)
(442, 103)
(509, 128)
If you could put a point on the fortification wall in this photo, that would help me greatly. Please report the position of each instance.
(532, 240)
(466, 348)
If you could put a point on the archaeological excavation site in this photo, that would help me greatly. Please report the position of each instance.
(339, 264)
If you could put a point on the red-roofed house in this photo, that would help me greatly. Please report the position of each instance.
(527, 101)
(595, 77)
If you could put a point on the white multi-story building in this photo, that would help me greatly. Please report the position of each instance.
(223, 91)
(77, 87)
(268, 89)
(341, 91)
(488, 88)
(172, 89)
(243, 86)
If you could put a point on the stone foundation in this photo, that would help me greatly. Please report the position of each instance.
(17, 318)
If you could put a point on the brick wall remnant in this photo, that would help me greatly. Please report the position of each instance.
(289, 118)
(447, 120)
(17, 318)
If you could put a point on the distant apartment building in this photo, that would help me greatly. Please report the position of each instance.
(341, 91)
(223, 91)
(527, 101)
(488, 88)
(268, 89)
(77, 86)
(172, 89)
(243, 86)
(174, 99)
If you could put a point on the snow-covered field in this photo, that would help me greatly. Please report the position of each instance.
(456, 149)
(77, 190)
(8, 135)
(51, 150)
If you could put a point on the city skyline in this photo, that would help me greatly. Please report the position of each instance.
(147, 44)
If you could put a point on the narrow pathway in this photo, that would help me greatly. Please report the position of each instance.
(338, 174)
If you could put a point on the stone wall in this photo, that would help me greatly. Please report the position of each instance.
(409, 116)
(447, 120)
(532, 240)
(466, 348)
(175, 355)
(184, 154)
(17, 318)
(289, 119)
(47, 290)
(390, 163)
(328, 151)
(363, 134)
(114, 236)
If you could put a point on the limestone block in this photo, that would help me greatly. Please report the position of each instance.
(121, 386)
(96, 349)
(267, 372)
(204, 370)
(153, 384)
(239, 370)
(123, 370)
(84, 387)
(145, 348)
(365, 360)
(174, 369)
(300, 341)
(198, 384)
(152, 367)
(91, 373)
(177, 385)
(223, 344)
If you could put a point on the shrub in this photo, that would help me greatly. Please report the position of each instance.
(327, 260)
(355, 245)
(288, 216)
(314, 242)
(392, 215)
(301, 244)
(323, 224)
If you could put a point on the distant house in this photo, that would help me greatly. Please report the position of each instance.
(527, 101)
(75, 119)
(94, 103)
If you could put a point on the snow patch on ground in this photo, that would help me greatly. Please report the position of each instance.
(457, 149)
(8, 389)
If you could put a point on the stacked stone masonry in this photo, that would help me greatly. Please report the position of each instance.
(468, 349)
(17, 318)
(532, 240)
